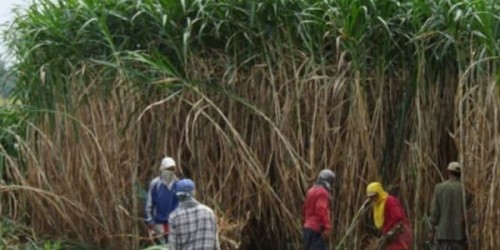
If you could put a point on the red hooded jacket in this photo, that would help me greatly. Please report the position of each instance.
(316, 211)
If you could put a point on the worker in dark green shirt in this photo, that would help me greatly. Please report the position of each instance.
(448, 213)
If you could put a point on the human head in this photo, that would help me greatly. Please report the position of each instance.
(375, 191)
(326, 175)
(167, 170)
(326, 178)
(455, 169)
(167, 164)
(184, 188)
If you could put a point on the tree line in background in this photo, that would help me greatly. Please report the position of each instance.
(252, 98)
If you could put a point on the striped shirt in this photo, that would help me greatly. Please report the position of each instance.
(193, 226)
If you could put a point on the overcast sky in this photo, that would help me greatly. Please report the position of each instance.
(6, 16)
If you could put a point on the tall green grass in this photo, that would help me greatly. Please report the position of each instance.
(252, 99)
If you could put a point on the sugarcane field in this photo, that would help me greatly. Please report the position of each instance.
(250, 125)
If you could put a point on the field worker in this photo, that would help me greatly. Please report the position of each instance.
(193, 226)
(389, 217)
(447, 212)
(316, 212)
(161, 201)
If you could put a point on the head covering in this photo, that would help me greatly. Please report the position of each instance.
(167, 163)
(167, 175)
(325, 178)
(454, 167)
(375, 188)
(185, 187)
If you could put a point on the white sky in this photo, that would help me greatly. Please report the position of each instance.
(6, 16)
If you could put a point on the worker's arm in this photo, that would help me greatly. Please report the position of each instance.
(217, 242)
(394, 217)
(434, 216)
(149, 205)
(172, 234)
(323, 210)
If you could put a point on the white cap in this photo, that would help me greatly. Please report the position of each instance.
(454, 167)
(167, 163)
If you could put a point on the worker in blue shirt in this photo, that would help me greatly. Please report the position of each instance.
(161, 201)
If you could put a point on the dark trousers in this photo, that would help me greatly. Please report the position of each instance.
(451, 245)
(313, 240)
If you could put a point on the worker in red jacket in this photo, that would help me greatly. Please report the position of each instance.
(316, 212)
(390, 218)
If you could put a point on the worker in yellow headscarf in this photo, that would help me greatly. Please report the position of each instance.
(389, 217)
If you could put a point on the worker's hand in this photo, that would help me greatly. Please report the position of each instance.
(390, 234)
(394, 231)
(430, 236)
(325, 234)
(381, 242)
